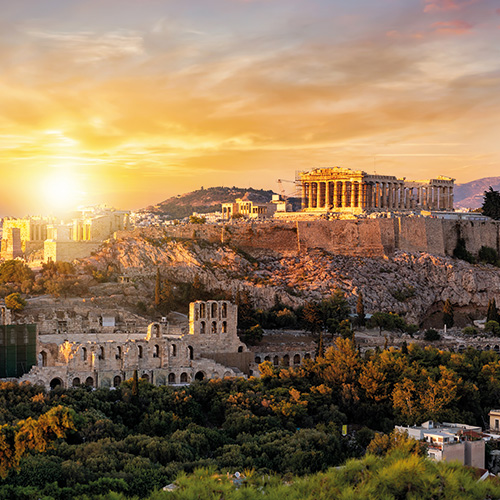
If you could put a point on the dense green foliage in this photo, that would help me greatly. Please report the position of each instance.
(491, 204)
(135, 439)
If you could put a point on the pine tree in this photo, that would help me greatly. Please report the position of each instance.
(360, 310)
(320, 350)
(448, 319)
(492, 314)
(135, 384)
(158, 288)
(491, 204)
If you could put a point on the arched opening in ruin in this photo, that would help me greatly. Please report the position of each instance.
(496, 348)
(276, 360)
(117, 381)
(461, 348)
(240, 349)
(156, 351)
(118, 352)
(214, 327)
(202, 328)
(44, 358)
(214, 310)
(89, 382)
(307, 356)
(171, 378)
(296, 359)
(145, 377)
(173, 350)
(84, 354)
(286, 360)
(202, 311)
(227, 374)
(224, 310)
(224, 327)
(101, 353)
(139, 351)
(257, 360)
(55, 382)
(267, 358)
(190, 352)
(76, 382)
(199, 376)
(487, 348)
(184, 378)
(156, 330)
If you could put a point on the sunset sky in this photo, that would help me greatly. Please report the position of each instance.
(128, 102)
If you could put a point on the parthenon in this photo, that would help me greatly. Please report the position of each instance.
(341, 189)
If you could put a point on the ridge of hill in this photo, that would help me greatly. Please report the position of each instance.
(470, 194)
(207, 200)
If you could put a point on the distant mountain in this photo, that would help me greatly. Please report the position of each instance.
(470, 194)
(207, 200)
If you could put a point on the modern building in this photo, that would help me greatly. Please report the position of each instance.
(450, 442)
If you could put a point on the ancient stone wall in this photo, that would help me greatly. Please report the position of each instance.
(361, 237)
(68, 251)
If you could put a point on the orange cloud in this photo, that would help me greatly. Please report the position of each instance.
(446, 5)
(456, 27)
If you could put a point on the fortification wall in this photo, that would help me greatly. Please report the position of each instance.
(362, 237)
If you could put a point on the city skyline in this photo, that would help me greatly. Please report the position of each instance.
(130, 102)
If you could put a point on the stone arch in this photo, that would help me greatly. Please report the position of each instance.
(199, 375)
(224, 310)
(184, 378)
(227, 374)
(84, 354)
(213, 310)
(44, 358)
(89, 382)
(173, 350)
(307, 356)
(171, 378)
(102, 354)
(276, 361)
(139, 351)
(257, 360)
(190, 352)
(156, 330)
(487, 347)
(203, 328)
(76, 382)
(496, 348)
(202, 310)
(267, 358)
(240, 348)
(119, 352)
(156, 351)
(117, 381)
(56, 382)
(214, 327)
(461, 348)
(215, 375)
(286, 360)
(296, 359)
(224, 327)
(145, 377)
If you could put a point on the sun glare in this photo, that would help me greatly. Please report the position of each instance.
(61, 191)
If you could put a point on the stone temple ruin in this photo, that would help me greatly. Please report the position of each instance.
(210, 349)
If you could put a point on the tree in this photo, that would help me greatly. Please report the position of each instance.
(15, 271)
(334, 310)
(15, 302)
(312, 318)
(492, 314)
(492, 327)
(158, 288)
(491, 204)
(448, 319)
(431, 335)
(360, 310)
(253, 335)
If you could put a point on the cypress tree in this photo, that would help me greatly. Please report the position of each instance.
(448, 319)
(158, 288)
(360, 310)
(492, 314)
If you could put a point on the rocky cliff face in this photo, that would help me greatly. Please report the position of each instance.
(413, 284)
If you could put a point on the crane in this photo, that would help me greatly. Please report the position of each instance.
(282, 189)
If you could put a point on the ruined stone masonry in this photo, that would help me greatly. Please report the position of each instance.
(211, 349)
(342, 189)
